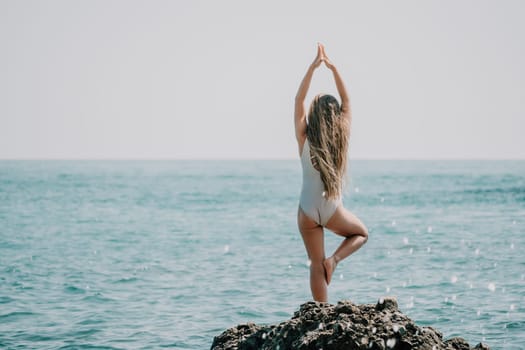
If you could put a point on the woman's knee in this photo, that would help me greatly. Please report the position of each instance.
(359, 230)
(364, 233)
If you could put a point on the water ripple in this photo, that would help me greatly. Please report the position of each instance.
(109, 255)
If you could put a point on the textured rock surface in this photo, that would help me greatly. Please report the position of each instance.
(342, 326)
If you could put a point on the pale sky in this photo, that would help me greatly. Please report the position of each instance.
(217, 79)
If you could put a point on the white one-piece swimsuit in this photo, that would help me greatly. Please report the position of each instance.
(312, 200)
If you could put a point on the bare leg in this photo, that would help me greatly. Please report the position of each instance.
(313, 238)
(345, 224)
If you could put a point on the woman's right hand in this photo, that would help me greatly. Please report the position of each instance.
(326, 60)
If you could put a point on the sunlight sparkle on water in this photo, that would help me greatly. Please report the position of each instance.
(393, 222)
(405, 240)
(491, 286)
(410, 304)
(226, 248)
(429, 229)
(454, 279)
(476, 251)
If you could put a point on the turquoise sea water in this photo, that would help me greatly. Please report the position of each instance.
(168, 254)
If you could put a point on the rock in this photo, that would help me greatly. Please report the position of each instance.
(389, 303)
(342, 326)
(237, 335)
(457, 343)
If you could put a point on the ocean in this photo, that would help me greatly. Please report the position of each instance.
(168, 254)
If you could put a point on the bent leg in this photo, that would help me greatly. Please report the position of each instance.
(313, 238)
(345, 224)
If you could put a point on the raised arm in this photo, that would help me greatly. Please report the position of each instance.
(300, 112)
(341, 88)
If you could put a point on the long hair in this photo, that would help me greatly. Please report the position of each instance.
(327, 132)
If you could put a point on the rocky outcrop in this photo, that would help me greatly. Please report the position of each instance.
(343, 326)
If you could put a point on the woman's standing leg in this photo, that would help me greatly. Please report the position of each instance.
(345, 224)
(313, 238)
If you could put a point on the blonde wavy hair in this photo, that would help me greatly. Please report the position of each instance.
(327, 132)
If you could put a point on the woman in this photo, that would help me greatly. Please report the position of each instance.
(322, 136)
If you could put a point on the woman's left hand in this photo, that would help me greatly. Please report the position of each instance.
(319, 58)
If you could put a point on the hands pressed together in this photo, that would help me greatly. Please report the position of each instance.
(300, 109)
(321, 57)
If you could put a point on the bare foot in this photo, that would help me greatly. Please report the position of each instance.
(329, 267)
